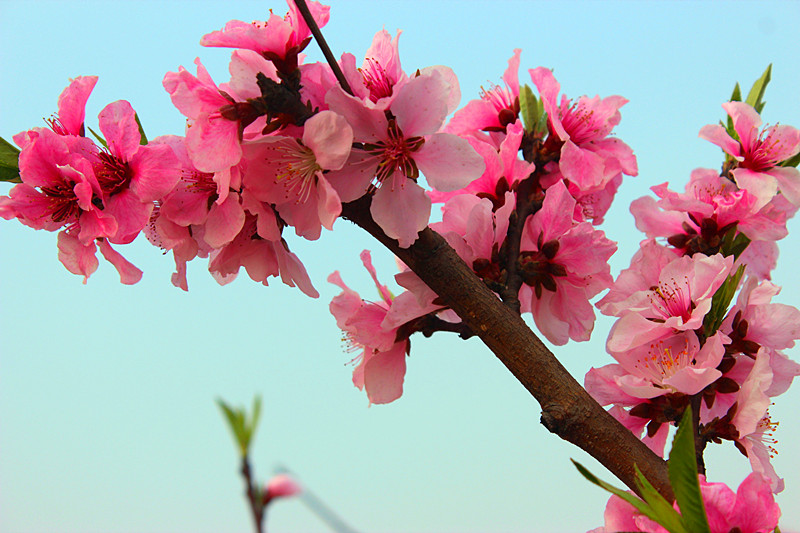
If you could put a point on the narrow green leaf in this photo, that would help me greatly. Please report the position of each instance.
(640, 506)
(542, 125)
(235, 420)
(720, 302)
(253, 422)
(665, 514)
(756, 94)
(9, 162)
(736, 96)
(683, 477)
(792, 161)
(99, 139)
(528, 108)
(143, 140)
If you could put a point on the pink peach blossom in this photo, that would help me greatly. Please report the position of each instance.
(758, 153)
(397, 149)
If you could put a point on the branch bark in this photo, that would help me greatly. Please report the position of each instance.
(567, 409)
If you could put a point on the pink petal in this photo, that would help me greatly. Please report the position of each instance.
(449, 162)
(72, 103)
(224, 222)
(156, 172)
(76, 257)
(330, 137)
(788, 179)
(353, 180)
(746, 122)
(401, 212)
(582, 167)
(716, 134)
(118, 124)
(128, 274)
(329, 207)
(369, 125)
(384, 373)
(421, 105)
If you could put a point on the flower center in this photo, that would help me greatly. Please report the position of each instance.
(63, 202)
(579, 122)
(765, 152)
(671, 299)
(297, 168)
(662, 362)
(55, 124)
(503, 101)
(395, 155)
(198, 182)
(378, 82)
(113, 174)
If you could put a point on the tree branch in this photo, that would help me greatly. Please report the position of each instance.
(567, 409)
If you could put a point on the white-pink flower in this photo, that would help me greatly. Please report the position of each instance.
(290, 173)
(758, 153)
(395, 151)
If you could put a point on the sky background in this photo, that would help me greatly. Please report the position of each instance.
(107, 413)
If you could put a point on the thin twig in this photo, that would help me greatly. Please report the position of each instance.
(253, 496)
(323, 45)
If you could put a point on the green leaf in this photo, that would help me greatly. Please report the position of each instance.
(99, 139)
(235, 418)
(640, 506)
(242, 427)
(720, 302)
(9, 162)
(683, 477)
(665, 514)
(792, 161)
(250, 427)
(143, 140)
(736, 96)
(734, 243)
(528, 108)
(756, 94)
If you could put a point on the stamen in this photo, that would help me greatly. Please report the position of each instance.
(663, 362)
(113, 174)
(378, 82)
(670, 299)
(298, 168)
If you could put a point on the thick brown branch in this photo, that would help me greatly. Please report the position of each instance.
(567, 409)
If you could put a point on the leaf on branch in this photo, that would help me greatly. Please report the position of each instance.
(736, 96)
(792, 161)
(242, 428)
(143, 139)
(663, 511)
(720, 302)
(756, 94)
(528, 108)
(9, 162)
(99, 138)
(666, 516)
(683, 477)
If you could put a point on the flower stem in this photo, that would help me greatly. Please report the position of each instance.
(323, 45)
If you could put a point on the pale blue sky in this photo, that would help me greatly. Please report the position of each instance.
(107, 415)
